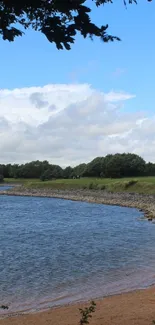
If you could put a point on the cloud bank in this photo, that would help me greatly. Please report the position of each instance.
(70, 124)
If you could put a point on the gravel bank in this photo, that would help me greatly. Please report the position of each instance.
(143, 202)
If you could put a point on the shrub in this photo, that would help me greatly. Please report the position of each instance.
(130, 183)
(101, 187)
(90, 186)
(86, 313)
(4, 307)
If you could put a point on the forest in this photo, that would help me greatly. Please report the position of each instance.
(110, 166)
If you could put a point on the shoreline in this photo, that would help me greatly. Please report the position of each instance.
(133, 308)
(78, 302)
(109, 308)
(143, 202)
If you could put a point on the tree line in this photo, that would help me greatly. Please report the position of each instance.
(110, 166)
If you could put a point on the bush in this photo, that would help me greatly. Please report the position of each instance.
(130, 183)
(101, 187)
(86, 313)
(4, 307)
(92, 186)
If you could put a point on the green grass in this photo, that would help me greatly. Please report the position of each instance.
(138, 184)
(19, 180)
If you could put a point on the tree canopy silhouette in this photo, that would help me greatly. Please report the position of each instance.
(58, 20)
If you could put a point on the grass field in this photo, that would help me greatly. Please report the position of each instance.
(136, 184)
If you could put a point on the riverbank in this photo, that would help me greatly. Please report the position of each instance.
(143, 202)
(133, 308)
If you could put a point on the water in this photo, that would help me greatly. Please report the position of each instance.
(5, 187)
(55, 251)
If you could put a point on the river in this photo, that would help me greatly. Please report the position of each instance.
(55, 251)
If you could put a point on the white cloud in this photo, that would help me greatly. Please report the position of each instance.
(69, 124)
(118, 96)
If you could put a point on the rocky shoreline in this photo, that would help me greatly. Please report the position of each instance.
(143, 202)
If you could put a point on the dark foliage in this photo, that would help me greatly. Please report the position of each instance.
(1, 178)
(4, 307)
(86, 313)
(58, 20)
(111, 166)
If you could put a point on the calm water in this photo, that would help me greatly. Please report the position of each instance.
(55, 251)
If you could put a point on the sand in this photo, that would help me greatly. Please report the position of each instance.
(134, 308)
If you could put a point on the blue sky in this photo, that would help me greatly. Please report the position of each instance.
(31, 60)
(126, 66)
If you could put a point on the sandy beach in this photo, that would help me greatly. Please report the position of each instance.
(133, 308)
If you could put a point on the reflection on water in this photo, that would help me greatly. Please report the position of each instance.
(56, 251)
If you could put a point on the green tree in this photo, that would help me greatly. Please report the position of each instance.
(58, 20)
(56, 171)
(134, 165)
(42, 177)
(6, 170)
(46, 175)
(114, 166)
(79, 170)
(94, 168)
(67, 172)
(123, 165)
(150, 169)
(53, 171)
(13, 172)
(118, 165)
(32, 169)
(1, 178)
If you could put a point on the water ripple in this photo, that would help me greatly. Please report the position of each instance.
(57, 251)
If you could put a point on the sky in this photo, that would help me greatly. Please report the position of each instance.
(69, 107)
